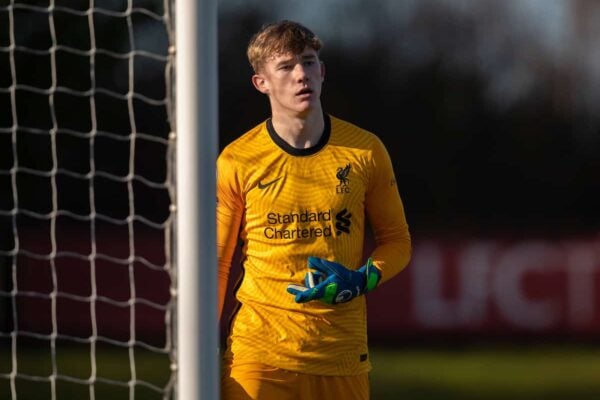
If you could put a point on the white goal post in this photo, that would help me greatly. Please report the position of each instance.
(197, 126)
(108, 142)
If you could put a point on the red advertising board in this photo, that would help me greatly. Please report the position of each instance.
(467, 286)
(493, 287)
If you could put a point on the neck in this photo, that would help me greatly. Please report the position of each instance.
(300, 132)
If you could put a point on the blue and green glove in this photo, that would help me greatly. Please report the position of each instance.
(332, 283)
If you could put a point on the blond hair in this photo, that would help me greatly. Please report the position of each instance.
(280, 38)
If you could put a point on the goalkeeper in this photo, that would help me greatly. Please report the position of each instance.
(298, 190)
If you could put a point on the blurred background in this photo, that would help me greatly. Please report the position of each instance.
(490, 113)
(488, 109)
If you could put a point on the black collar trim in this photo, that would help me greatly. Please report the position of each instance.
(285, 146)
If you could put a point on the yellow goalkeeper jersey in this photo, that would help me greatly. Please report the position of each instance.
(286, 204)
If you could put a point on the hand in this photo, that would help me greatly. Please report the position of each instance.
(332, 283)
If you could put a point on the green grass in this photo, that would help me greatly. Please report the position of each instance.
(111, 363)
(467, 373)
(539, 372)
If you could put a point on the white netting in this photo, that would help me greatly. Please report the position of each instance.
(86, 188)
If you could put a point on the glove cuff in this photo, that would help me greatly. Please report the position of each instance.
(372, 275)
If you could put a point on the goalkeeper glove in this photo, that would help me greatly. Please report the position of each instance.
(332, 283)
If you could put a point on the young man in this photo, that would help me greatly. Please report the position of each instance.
(298, 190)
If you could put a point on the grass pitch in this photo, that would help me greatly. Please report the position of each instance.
(548, 372)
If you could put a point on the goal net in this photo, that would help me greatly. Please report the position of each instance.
(87, 277)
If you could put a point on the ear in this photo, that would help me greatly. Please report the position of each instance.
(260, 83)
(322, 71)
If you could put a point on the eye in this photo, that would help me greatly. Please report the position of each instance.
(309, 63)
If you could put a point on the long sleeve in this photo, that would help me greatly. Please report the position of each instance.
(385, 212)
(229, 216)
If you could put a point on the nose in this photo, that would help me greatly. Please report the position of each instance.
(300, 73)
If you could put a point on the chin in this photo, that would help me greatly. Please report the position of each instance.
(308, 106)
(305, 111)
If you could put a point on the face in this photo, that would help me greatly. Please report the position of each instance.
(292, 82)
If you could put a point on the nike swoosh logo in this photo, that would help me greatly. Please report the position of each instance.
(262, 186)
